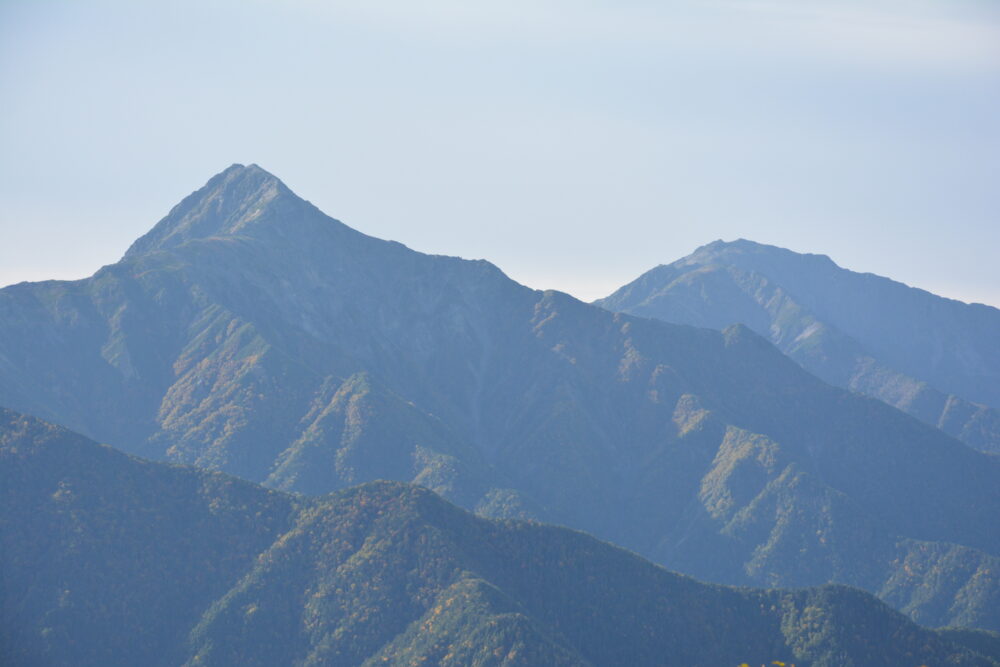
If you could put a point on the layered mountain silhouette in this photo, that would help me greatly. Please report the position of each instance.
(109, 559)
(934, 358)
(250, 333)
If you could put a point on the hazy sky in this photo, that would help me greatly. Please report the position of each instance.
(574, 144)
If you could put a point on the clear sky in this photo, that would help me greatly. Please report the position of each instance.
(575, 144)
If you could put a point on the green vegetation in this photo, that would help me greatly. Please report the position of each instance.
(251, 334)
(108, 559)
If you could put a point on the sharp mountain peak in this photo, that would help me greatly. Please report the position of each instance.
(235, 201)
(249, 203)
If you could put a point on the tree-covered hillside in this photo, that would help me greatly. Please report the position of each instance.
(108, 559)
(250, 333)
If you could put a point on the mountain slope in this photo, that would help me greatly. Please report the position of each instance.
(250, 333)
(107, 559)
(934, 358)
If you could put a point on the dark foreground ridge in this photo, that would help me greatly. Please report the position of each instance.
(109, 559)
(249, 333)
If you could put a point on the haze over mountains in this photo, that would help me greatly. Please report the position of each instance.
(934, 358)
(249, 333)
(108, 559)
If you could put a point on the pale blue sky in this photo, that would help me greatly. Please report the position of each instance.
(574, 144)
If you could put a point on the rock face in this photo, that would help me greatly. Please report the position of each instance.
(108, 559)
(252, 334)
(934, 358)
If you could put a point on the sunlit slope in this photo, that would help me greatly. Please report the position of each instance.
(252, 334)
(107, 559)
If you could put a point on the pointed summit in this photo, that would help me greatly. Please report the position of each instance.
(230, 203)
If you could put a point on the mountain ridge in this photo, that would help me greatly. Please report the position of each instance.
(855, 330)
(160, 564)
(821, 258)
(321, 359)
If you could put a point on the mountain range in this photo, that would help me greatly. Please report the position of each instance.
(937, 359)
(250, 333)
(110, 559)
